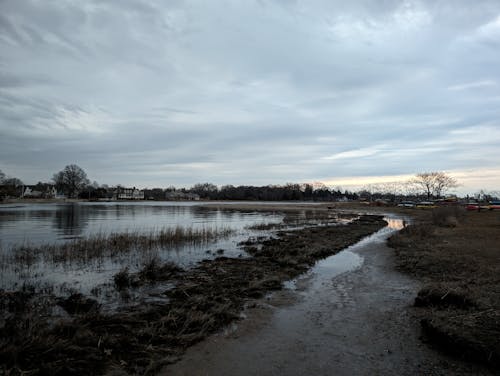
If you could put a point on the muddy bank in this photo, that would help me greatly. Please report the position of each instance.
(456, 255)
(84, 340)
(348, 315)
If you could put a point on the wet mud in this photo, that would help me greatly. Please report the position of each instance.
(42, 334)
(350, 314)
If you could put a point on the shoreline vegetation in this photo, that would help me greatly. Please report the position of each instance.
(141, 340)
(455, 254)
(114, 244)
(452, 252)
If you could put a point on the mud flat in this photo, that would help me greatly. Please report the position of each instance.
(349, 315)
(44, 334)
(456, 256)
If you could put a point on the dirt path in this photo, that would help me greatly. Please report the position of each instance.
(350, 315)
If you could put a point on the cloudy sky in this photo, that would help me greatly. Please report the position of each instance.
(154, 93)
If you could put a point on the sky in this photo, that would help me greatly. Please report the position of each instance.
(159, 93)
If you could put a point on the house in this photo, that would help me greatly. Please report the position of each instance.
(129, 194)
(40, 190)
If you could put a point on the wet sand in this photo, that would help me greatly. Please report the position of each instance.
(350, 315)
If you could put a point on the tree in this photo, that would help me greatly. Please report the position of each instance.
(205, 190)
(442, 183)
(13, 182)
(10, 187)
(434, 183)
(71, 180)
(424, 181)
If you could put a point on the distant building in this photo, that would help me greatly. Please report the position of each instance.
(181, 196)
(40, 190)
(129, 194)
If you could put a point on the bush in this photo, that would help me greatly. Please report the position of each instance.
(122, 279)
(447, 216)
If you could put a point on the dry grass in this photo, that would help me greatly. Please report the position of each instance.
(448, 216)
(114, 244)
(460, 267)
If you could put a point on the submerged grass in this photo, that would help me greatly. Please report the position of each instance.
(114, 244)
(143, 339)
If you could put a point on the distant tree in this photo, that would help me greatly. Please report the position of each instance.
(442, 183)
(154, 194)
(71, 180)
(205, 190)
(13, 182)
(434, 183)
(10, 187)
(307, 190)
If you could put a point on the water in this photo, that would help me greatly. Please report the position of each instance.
(53, 223)
(39, 224)
(49, 223)
(346, 260)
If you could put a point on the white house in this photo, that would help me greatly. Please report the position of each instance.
(40, 191)
(129, 194)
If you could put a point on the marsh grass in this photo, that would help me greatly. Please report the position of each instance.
(114, 245)
(448, 216)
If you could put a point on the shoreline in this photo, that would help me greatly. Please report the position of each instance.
(204, 300)
(348, 315)
(457, 323)
(456, 309)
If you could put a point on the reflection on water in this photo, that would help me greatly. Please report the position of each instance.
(49, 223)
(348, 259)
(38, 224)
(395, 223)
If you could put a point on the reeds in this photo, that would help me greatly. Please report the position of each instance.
(115, 244)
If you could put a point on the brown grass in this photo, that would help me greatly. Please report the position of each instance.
(114, 244)
(143, 339)
(460, 268)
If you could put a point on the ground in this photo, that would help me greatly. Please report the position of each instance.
(456, 257)
(392, 311)
(357, 320)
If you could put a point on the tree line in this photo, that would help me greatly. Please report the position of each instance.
(73, 182)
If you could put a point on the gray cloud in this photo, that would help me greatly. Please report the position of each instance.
(159, 93)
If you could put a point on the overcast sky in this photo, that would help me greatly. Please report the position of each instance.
(158, 93)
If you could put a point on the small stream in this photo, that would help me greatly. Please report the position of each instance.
(349, 315)
(346, 260)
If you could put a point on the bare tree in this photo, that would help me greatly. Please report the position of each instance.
(2, 176)
(71, 180)
(442, 183)
(425, 182)
(434, 183)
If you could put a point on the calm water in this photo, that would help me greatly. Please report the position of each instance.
(38, 224)
(49, 223)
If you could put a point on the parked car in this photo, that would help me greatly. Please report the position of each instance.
(494, 205)
(426, 205)
(406, 204)
(471, 206)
